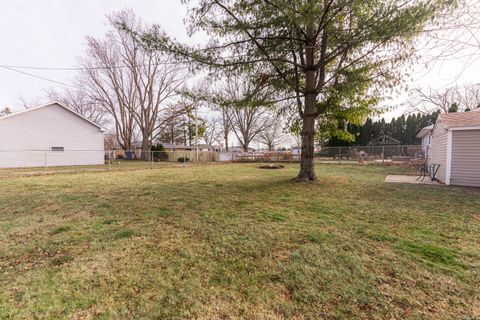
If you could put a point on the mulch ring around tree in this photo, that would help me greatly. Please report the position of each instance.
(272, 166)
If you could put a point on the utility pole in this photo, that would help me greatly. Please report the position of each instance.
(196, 134)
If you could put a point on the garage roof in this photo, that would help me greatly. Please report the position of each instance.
(461, 119)
(48, 105)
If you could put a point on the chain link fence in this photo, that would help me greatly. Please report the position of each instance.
(34, 162)
(388, 153)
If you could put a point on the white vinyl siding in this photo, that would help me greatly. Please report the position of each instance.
(439, 150)
(465, 169)
(27, 139)
(426, 146)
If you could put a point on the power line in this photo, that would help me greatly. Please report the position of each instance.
(35, 76)
(452, 27)
(15, 68)
(90, 68)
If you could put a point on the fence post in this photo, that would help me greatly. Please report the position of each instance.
(110, 154)
(151, 154)
(46, 163)
(383, 154)
(339, 155)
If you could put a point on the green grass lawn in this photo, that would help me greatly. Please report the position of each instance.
(234, 241)
(115, 165)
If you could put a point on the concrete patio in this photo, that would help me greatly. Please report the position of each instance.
(410, 179)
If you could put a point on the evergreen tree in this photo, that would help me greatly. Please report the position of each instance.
(403, 129)
(453, 108)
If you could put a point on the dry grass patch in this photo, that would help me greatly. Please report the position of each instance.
(233, 241)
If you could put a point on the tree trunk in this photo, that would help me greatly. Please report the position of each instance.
(146, 154)
(226, 142)
(307, 167)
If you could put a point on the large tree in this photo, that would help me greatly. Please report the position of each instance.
(333, 56)
(135, 84)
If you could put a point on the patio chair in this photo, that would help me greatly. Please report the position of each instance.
(429, 171)
(421, 166)
(432, 170)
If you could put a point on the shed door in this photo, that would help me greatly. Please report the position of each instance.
(465, 169)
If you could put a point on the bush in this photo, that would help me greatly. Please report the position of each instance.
(160, 156)
(159, 153)
(157, 147)
(183, 159)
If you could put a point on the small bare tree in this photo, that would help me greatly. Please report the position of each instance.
(226, 128)
(469, 96)
(273, 134)
(216, 99)
(28, 102)
(457, 98)
(170, 126)
(213, 130)
(429, 100)
(245, 106)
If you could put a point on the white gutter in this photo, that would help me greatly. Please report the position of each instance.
(465, 128)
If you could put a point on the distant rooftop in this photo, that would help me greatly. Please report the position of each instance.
(167, 145)
(426, 130)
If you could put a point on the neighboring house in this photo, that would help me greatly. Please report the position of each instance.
(456, 148)
(52, 135)
(426, 135)
(175, 147)
(296, 151)
(208, 147)
(240, 149)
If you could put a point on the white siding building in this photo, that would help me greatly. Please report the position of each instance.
(456, 148)
(52, 135)
(426, 135)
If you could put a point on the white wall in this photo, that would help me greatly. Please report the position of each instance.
(25, 137)
(426, 141)
(439, 150)
(426, 146)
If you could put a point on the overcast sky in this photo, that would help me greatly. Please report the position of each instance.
(51, 33)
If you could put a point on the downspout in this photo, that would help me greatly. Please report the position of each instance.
(448, 168)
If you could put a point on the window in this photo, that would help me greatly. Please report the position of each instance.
(57, 149)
